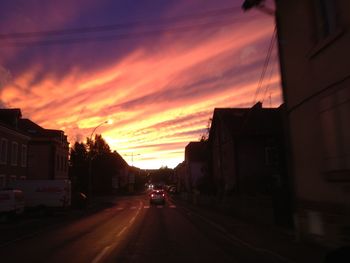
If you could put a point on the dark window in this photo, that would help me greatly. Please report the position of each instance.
(14, 153)
(335, 128)
(3, 151)
(326, 17)
(24, 156)
(57, 163)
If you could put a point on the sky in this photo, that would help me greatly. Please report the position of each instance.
(155, 69)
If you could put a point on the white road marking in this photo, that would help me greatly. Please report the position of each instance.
(133, 207)
(132, 220)
(146, 206)
(160, 206)
(172, 206)
(122, 231)
(120, 208)
(100, 255)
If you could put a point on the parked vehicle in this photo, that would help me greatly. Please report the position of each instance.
(44, 194)
(11, 203)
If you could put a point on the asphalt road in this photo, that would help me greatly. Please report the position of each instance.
(130, 230)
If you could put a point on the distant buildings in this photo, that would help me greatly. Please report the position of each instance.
(28, 151)
(180, 177)
(196, 164)
(314, 41)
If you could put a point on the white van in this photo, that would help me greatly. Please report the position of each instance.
(11, 203)
(48, 194)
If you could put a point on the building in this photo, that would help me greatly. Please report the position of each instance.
(248, 163)
(13, 148)
(179, 176)
(196, 164)
(315, 67)
(47, 151)
(120, 178)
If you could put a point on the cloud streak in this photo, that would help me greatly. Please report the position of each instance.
(160, 91)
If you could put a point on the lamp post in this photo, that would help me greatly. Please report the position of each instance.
(90, 159)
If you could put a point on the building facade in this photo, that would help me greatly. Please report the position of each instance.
(196, 163)
(13, 148)
(47, 152)
(314, 40)
(248, 163)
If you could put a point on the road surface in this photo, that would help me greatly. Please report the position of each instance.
(130, 230)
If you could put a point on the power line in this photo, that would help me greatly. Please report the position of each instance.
(113, 27)
(182, 29)
(266, 63)
(272, 68)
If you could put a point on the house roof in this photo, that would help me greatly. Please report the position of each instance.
(247, 121)
(30, 127)
(262, 121)
(36, 131)
(228, 118)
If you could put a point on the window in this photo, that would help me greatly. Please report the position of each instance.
(326, 18)
(2, 181)
(3, 151)
(65, 165)
(24, 155)
(57, 163)
(14, 153)
(12, 178)
(61, 163)
(335, 128)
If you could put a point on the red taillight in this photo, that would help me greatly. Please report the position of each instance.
(152, 195)
(163, 195)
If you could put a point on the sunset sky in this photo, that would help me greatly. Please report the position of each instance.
(156, 68)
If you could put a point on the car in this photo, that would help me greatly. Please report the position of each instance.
(157, 197)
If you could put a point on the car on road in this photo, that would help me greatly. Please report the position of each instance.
(157, 197)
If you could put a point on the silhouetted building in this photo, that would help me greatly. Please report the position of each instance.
(180, 176)
(13, 147)
(196, 163)
(248, 162)
(314, 41)
(47, 151)
(120, 179)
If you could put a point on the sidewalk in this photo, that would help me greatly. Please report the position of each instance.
(268, 239)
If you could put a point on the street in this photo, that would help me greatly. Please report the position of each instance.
(130, 230)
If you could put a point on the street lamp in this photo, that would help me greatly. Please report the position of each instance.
(90, 157)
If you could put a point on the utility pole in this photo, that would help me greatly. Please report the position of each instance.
(132, 157)
(131, 173)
